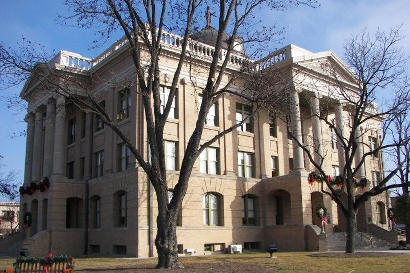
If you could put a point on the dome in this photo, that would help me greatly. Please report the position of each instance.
(208, 36)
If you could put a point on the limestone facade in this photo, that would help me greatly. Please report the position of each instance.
(249, 188)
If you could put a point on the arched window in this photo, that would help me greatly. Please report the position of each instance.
(95, 211)
(381, 212)
(249, 210)
(212, 209)
(120, 209)
(74, 212)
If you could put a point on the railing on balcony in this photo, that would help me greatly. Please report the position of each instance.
(73, 60)
(173, 42)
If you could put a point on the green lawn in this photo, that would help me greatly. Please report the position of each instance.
(285, 262)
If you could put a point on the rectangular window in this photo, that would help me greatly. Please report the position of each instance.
(209, 161)
(273, 127)
(71, 131)
(375, 178)
(119, 250)
(335, 170)
(373, 146)
(99, 163)
(96, 211)
(82, 167)
(99, 124)
(83, 123)
(170, 148)
(244, 113)
(124, 104)
(246, 163)
(179, 219)
(333, 139)
(163, 96)
(94, 249)
(123, 210)
(70, 170)
(290, 164)
(248, 212)
(123, 157)
(274, 163)
(211, 117)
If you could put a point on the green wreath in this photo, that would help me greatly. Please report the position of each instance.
(318, 211)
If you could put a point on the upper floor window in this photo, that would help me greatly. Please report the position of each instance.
(70, 170)
(71, 131)
(212, 209)
(170, 148)
(163, 96)
(120, 209)
(211, 117)
(273, 126)
(123, 157)
(244, 114)
(274, 163)
(373, 146)
(99, 123)
(124, 104)
(290, 164)
(83, 123)
(246, 164)
(375, 178)
(249, 210)
(209, 161)
(99, 163)
(333, 139)
(335, 170)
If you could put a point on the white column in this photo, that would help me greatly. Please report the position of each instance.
(29, 148)
(317, 132)
(37, 147)
(49, 138)
(340, 130)
(59, 138)
(359, 151)
(298, 161)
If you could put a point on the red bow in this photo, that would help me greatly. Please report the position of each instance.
(324, 221)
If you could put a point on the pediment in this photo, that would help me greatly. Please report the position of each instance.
(330, 66)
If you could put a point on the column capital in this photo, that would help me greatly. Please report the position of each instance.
(29, 117)
(51, 101)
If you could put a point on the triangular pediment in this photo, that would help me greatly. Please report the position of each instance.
(328, 65)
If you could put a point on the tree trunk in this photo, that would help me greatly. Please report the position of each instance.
(351, 231)
(166, 241)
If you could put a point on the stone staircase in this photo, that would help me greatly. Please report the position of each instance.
(336, 241)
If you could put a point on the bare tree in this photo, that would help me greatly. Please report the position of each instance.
(144, 24)
(400, 155)
(8, 184)
(377, 64)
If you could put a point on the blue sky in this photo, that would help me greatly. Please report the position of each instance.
(323, 28)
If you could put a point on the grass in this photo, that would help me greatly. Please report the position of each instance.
(285, 262)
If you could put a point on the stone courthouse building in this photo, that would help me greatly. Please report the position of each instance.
(249, 188)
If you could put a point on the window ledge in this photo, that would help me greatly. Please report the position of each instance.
(241, 133)
(172, 120)
(248, 179)
(123, 121)
(99, 132)
(211, 127)
(273, 138)
(70, 145)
